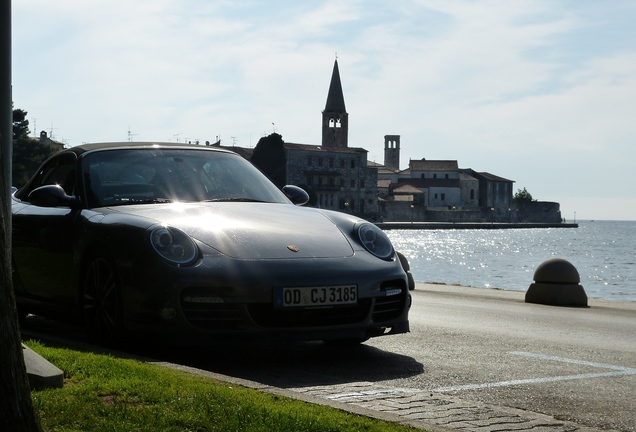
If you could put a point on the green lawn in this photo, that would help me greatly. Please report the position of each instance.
(105, 393)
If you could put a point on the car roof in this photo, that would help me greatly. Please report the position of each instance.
(83, 148)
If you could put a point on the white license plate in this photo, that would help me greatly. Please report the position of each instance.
(316, 296)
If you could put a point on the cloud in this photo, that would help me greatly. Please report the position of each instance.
(540, 92)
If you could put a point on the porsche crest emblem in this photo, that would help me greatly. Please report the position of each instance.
(293, 248)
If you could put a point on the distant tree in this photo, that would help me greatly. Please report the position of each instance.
(20, 124)
(269, 157)
(28, 153)
(523, 195)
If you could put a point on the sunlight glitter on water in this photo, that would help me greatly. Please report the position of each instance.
(603, 252)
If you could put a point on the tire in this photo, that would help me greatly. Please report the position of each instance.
(22, 314)
(102, 304)
(345, 342)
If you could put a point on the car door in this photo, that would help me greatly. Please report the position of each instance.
(43, 237)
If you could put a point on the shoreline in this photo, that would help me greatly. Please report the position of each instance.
(517, 295)
(471, 225)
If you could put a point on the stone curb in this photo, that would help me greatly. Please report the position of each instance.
(421, 410)
(41, 373)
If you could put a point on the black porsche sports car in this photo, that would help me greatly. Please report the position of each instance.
(194, 244)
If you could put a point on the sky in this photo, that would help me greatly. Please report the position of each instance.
(541, 92)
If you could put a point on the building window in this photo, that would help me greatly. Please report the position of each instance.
(472, 194)
(434, 176)
(362, 184)
(446, 176)
(319, 162)
(435, 196)
(353, 163)
(423, 175)
(443, 197)
(342, 163)
(309, 161)
(353, 183)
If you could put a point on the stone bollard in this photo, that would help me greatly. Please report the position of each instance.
(556, 283)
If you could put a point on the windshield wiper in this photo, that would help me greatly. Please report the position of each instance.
(129, 201)
(234, 199)
(150, 200)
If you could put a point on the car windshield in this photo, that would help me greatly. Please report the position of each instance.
(151, 175)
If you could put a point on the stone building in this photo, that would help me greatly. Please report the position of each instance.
(438, 190)
(495, 193)
(339, 177)
(336, 176)
(44, 139)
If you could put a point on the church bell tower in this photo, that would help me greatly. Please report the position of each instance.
(335, 120)
(392, 152)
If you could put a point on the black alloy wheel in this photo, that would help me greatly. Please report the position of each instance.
(102, 301)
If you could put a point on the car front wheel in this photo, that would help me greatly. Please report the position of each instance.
(102, 301)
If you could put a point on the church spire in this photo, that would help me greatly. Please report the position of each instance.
(335, 119)
(335, 97)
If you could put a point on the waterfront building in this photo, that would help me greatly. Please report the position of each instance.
(340, 177)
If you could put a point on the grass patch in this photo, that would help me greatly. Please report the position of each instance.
(105, 393)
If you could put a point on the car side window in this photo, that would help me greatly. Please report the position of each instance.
(60, 170)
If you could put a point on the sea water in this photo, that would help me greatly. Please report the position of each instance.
(603, 252)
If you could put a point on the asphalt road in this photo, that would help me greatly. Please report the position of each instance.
(475, 359)
(490, 346)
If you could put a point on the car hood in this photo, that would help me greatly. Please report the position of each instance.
(252, 230)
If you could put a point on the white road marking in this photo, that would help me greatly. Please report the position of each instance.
(616, 371)
(619, 371)
(567, 360)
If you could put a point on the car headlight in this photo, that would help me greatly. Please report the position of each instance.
(173, 245)
(374, 240)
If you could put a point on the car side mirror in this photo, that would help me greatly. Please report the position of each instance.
(51, 196)
(296, 195)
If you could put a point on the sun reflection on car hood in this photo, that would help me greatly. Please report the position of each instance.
(251, 230)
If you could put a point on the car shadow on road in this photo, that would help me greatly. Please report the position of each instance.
(298, 364)
(285, 365)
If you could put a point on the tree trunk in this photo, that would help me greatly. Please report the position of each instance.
(16, 406)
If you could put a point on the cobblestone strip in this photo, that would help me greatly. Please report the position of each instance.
(426, 409)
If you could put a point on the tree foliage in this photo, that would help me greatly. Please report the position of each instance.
(28, 153)
(20, 125)
(269, 157)
(523, 195)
